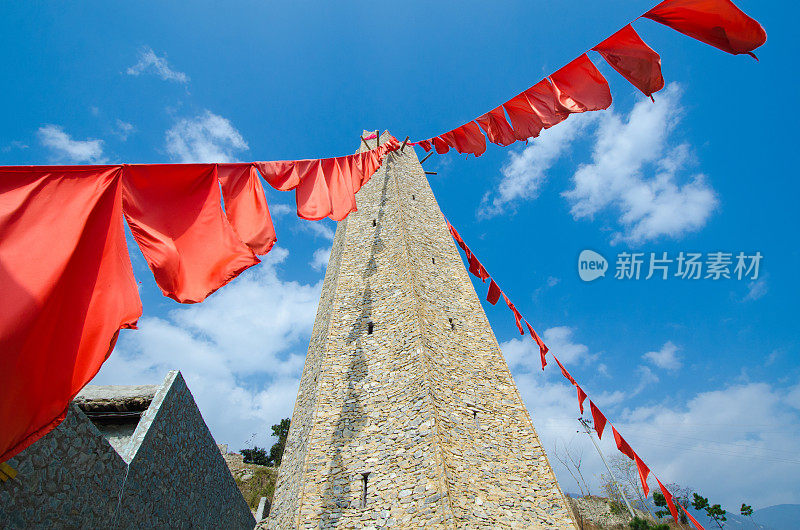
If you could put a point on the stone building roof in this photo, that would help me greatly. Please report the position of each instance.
(116, 398)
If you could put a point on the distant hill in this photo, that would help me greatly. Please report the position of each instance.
(779, 517)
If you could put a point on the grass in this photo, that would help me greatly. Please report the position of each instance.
(261, 484)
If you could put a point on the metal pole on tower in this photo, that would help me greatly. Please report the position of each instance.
(610, 474)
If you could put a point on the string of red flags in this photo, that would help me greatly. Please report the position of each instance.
(580, 87)
(66, 276)
(326, 187)
(599, 419)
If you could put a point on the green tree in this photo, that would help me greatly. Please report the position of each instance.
(714, 511)
(680, 496)
(747, 511)
(256, 455)
(281, 430)
(661, 502)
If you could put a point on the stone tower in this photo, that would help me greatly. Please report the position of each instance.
(407, 415)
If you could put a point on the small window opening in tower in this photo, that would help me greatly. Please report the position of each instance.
(413, 198)
(370, 327)
(475, 417)
(452, 323)
(364, 479)
(374, 223)
(433, 260)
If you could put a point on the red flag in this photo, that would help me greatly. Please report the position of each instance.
(497, 128)
(543, 349)
(564, 371)
(535, 109)
(581, 397)
(325, 192)
(455, 235)
(543, 98)
(692, 519)
(517, 316)
(67, 289)
(494, 293)
(628, 54)
(469, 139)
(670, 503)
(283, 175)
(716, 22)
(442, 143)
(644, 471)
(288, 174)
(476, 268)
(598, 418)
(581, 87)
(246, 206)
(425, 144)
(622, 445)
(175, 214)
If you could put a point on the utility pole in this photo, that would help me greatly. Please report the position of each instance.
(610, 474)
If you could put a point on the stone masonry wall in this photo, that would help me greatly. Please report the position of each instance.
(170, 474)
(70, 478)
(177, 477)
(417, 423)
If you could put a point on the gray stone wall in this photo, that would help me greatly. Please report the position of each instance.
(168, 474)
(177, 476)
(423, 410)
(70, 478)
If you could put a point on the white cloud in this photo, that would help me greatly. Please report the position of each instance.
(205, 138)
(773, 356)
(280, 209)
(733, 444)
(241, 351)
(626, 150)
(645, 377)
(756, 289)
(737, 444)
(149, 62)
(666, 357)
(15, 144)
(525, 170)
(66, 149)
(123, 129)
(319, 228)
(524, 353)
(320, 259)
(559, 340)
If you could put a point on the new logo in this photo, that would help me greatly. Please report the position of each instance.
(591, 265)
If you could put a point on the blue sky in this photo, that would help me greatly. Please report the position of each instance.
(701, 376)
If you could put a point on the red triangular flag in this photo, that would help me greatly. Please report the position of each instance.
(716, 22)
(564, 371)
(628, 54)
(494, 293)
(598, 418)
(670, 503)
(622, 445)
(692, 519)
(496, 126)
(543, 349)
(644, 471)
(517, 316)
(581, 397)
